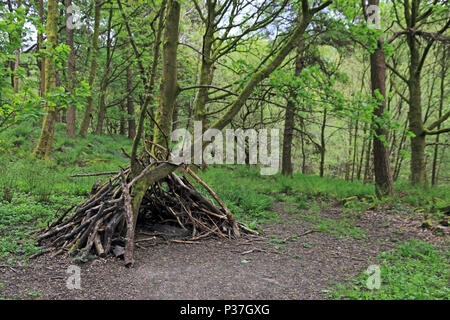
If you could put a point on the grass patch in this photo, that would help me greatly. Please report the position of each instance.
(414, 270)
(342, 227)
(34, 192)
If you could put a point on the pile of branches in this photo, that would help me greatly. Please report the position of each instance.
(105, 219)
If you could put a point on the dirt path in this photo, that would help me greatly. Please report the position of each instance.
(249, 268)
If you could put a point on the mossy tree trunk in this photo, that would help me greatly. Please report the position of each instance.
(168, 85)
(44, 146)
(207, 65)
(71, 110)
(289, 118)
(415, 12)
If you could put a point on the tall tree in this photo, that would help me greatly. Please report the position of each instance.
(382, 165)
(44, 146)
(415, 14)
(95, 50)
(289, 119)
(71, 110)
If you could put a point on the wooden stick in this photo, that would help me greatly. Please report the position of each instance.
(129, 239)
(229, 215)
(94, 174)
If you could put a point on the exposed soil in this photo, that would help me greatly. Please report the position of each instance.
(247, 268)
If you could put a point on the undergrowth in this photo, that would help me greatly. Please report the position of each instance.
(32, 192)
(414, 270)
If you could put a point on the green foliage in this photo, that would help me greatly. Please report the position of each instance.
(340, 227)
(236, 188)
(34, 192)
(414, 270)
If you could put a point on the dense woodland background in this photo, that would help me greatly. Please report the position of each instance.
(320, 95)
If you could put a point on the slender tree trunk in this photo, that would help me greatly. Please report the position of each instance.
(355, 150)
(322, 143)
(168, 85)
(289, 118)
(382, 166)
(361, 159)
(44, 146)
(415, 121)
(102, 109)
(71, 110)
(367, 175)
(349, 155)
(88, 112)
(15, 76)
(40, 41)
(434, 176)
(122, 124)
(207, 66)
(399, 157)
(130, 106)
(105, 80)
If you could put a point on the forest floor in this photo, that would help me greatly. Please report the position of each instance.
(288, 262)
(315, 234)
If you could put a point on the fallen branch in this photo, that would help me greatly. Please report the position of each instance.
(300, 235)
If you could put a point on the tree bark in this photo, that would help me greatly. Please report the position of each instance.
(434, 176)
(71, 110)
(168, 85)
(40, 40)
(130, 106)
(122, 124)
(105, 80)
(382, 167)
(322, 143)
(384, 184)
(88, 112)
(44, 146)
(289, 118)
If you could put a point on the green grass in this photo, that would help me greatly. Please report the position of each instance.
(414, 270)
(340, 227)
(34, 192)
(240, 195)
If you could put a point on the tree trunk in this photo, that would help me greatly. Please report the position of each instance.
(168, 85)
(71, 110)
(44, 146)
(382, 167)
(367, 175)
(122, 124)
(88, 112)
(207, 66)
(40, 40)
(434, 176)
(322, 143)
(105, 80)
(289, 118)
(130, 106)
(416, 125)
